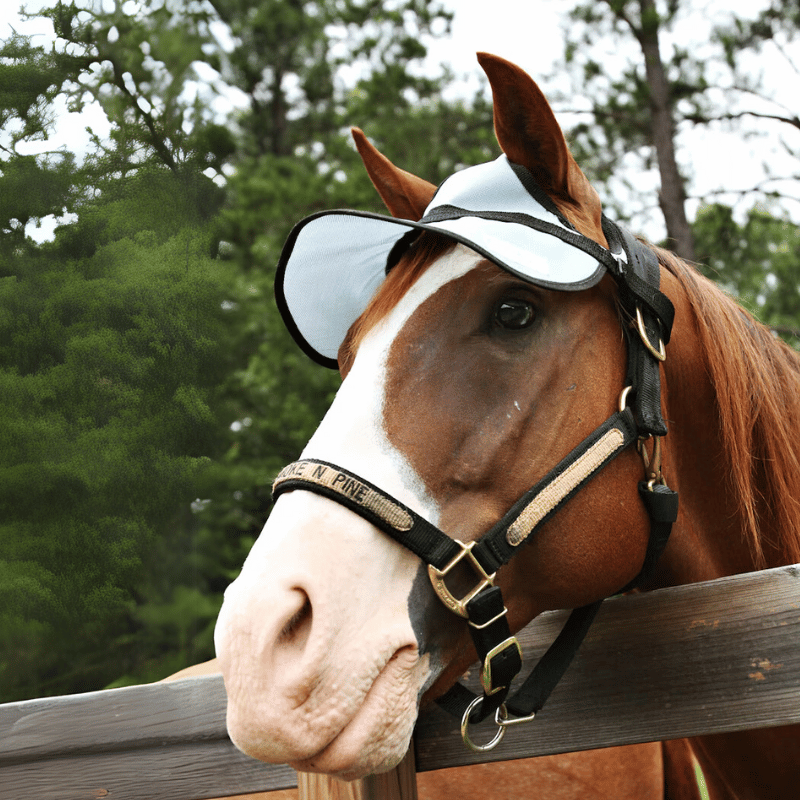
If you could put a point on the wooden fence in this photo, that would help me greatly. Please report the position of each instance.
(704, 658)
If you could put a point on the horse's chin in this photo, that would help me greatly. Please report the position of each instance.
(373, 738)
(351, 757)
(378, 736)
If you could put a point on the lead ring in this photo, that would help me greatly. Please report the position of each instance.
(479, 748)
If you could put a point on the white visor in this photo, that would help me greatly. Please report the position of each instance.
(333, 262)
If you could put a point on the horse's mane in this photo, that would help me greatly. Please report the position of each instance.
(756, 377)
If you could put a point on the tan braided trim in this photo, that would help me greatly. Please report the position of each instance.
(558, 489)
(349, 487)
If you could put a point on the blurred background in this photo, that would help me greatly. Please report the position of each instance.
(154, 155)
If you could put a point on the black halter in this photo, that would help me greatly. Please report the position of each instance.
(639, 417)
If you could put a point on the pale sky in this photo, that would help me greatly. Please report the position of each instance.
(531, 34)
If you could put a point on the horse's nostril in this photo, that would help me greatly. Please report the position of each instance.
(298, 626)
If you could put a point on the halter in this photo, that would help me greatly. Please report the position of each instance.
(638, 418)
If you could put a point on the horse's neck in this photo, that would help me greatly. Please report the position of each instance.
(708, 540)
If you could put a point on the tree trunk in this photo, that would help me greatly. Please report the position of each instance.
(671, 196)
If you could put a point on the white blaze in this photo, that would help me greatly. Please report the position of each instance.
(352, 435)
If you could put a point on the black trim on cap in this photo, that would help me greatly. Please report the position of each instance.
(533, 188)
(569, 236)
(280, 296)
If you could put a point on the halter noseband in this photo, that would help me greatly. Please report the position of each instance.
(499, 652)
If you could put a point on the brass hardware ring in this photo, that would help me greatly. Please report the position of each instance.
(661, 353)
(623, 398)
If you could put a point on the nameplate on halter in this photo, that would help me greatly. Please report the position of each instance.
(564, 484)
(348, 487)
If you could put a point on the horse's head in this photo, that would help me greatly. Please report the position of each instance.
(464, 384)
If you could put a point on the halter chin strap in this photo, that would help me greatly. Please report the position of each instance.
(651, 315)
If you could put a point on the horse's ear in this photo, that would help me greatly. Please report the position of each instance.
(529, 134)
(405, 195)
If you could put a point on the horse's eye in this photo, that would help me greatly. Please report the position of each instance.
(515, 315)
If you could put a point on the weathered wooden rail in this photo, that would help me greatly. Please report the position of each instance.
(705, 658)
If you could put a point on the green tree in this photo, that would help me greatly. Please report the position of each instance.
(114, 346)
(757, 261)
(140, 65)
(32, 188)
(111, 364)
(153, 390)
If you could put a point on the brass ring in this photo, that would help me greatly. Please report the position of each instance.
(623, 398)
(661, 353)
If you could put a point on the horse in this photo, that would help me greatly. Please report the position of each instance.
(474, 368)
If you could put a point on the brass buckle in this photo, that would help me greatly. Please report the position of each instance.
(486, 672)
(455, 604)
(661, 353)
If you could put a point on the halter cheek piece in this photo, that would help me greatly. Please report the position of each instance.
(637, 419)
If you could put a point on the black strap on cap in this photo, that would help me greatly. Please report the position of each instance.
(651, 314)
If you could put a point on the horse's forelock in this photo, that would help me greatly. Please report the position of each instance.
(426, 249)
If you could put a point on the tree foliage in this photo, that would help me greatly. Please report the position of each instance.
(634, 111)
(708, 83)
(154, 392)
(756, 260)
(111, 361)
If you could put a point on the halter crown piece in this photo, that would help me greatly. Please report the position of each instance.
(330, 267)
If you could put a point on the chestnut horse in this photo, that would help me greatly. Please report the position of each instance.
(465, 384)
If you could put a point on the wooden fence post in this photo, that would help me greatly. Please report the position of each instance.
(399, 783)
